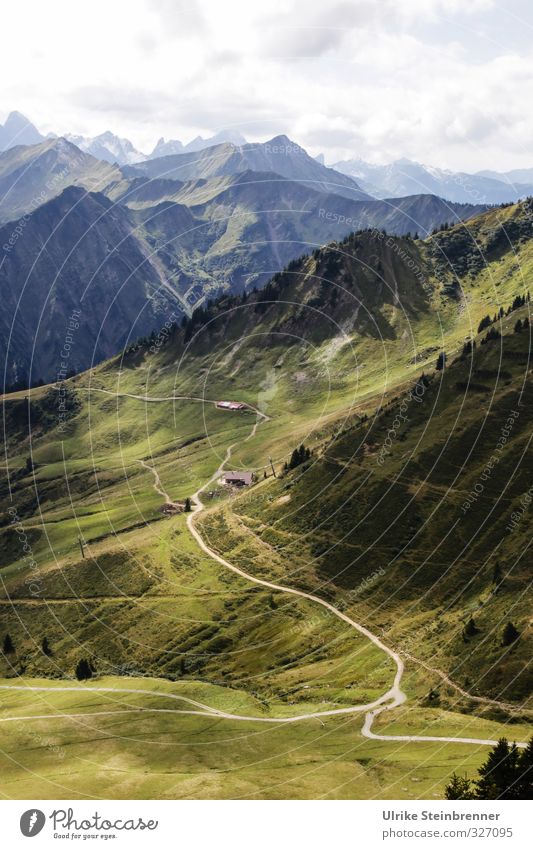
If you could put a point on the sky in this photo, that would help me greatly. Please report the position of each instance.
(445, 82)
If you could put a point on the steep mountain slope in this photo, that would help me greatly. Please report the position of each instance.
(18, 130)
(404, 177)
(77, 256)
(279, 155)
(417, 518)
(241, 229)
(30, 176)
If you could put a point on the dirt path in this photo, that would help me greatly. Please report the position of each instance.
(388, 701)
(480, 699)
(154, 399)
(158, 486)
(395, 696)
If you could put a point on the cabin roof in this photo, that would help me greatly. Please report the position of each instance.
(246, 477)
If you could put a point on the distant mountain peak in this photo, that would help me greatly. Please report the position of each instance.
(18, 130)
(282, 139)
(16, 116)
(109, 147)
(174, 146)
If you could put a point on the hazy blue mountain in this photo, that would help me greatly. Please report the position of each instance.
(404, 177)
(18, 130)
(518, 176)
(173, 146)
(166, 148)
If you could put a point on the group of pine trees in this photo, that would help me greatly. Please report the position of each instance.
(491, 336)
(506, 774)
(510, 632)
(521, 325)
(298, 456)
(519, 301)
(468, 348)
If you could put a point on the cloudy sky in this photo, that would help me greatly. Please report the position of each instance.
(446, 82)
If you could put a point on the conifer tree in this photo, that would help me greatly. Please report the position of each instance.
(499, 772)
(84, 670)
(510, 634)
(459, 788)
(8, 647)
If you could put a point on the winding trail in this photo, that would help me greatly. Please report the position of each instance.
(158, 486)
(388, 701)
(480, 699)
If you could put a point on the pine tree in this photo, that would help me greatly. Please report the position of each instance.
(510, 634)
(518, 327)
(459, 788)
(187, 507)
(499, 773)
(8, 647)
(524, 783)
(299, 456)
(497, 576)
(441, 361)
(45, 645)
(84, 670)
(470, 629)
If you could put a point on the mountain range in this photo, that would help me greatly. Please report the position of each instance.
(404, 177)
(129, 245)
(399, 178)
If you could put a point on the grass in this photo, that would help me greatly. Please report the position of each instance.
(158, 755)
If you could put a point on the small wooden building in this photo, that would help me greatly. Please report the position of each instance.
(238, 478)
(230, 405)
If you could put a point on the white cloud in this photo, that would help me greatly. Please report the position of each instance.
(442, 81)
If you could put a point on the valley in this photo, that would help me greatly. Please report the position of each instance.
(338, 625)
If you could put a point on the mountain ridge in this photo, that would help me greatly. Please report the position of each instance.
(403, 177)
